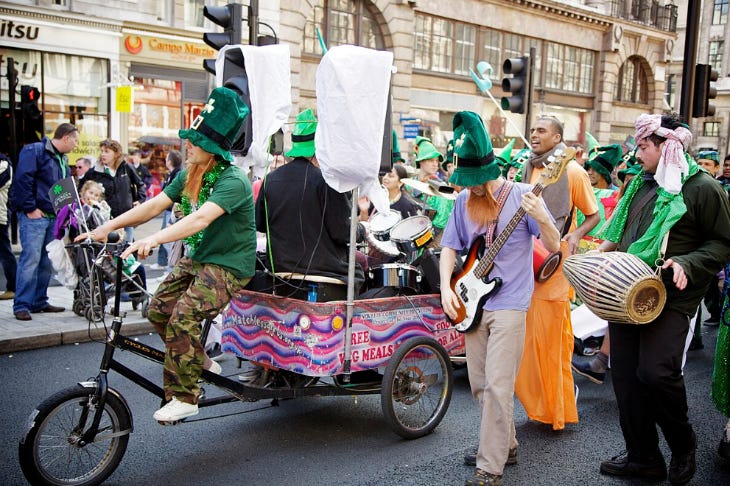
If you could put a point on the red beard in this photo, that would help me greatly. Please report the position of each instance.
(482, 209)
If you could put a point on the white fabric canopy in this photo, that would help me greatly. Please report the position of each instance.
(269, 81)
(352, 99)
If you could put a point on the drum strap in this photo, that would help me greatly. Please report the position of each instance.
(501, 199)
(639, 206)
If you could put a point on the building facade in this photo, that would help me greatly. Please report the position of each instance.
(597, 64)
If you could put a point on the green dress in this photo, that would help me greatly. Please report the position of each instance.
(721, 373)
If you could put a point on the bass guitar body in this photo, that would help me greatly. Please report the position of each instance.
(471, 290)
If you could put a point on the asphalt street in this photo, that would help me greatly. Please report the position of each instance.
(336, 440)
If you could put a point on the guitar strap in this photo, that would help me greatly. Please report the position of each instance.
(492, 226)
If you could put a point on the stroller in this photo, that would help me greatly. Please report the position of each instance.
(96, 268)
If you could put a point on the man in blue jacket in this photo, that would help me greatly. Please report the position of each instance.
(40, 165)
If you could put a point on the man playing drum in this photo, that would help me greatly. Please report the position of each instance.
(675, 216)
(494, 347)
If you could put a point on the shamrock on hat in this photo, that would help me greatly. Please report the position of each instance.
(604, 159)
(449, 155)
(473, 155)
(302, 136)
(218, 124)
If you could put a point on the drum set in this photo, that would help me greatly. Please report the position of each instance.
(395, 246)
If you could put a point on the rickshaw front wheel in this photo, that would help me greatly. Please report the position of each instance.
(52, 451)
(417, 386)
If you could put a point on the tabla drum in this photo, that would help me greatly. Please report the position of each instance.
(394, 275)
(381, 224)
(544, 263)
(412, 234)
(616, 286)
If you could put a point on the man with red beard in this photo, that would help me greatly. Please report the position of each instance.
(494, 346)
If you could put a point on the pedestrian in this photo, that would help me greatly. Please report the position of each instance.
(40, 165)
(123, 189)
(7, 258)
(218, 227)
(675, 213)
(173, 162)
(494, 346)
(545, 381)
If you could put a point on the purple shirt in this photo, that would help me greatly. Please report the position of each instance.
(513, 262)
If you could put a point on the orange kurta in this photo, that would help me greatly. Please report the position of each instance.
(544, 383)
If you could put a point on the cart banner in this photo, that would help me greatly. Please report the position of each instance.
(308, 337)
(352, 100)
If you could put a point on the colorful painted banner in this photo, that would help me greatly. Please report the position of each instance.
(308, 337)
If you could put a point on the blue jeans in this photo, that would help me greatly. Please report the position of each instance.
(34, 267)
(7, 259)
(162, 249)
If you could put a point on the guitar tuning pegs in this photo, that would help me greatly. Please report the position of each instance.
(551, 158)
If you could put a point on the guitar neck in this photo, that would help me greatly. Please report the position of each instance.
(485, 263)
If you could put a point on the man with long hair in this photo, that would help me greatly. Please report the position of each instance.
(218, 228)
(494, 347)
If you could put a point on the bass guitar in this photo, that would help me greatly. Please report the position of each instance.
(472, 285)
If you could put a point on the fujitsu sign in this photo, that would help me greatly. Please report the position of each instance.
(13, 30)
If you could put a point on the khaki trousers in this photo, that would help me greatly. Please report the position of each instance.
(493, 355)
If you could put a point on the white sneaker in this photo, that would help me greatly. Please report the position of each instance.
(175, 410)
(157, 266)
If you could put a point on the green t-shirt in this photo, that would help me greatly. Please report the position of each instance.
(230, 240)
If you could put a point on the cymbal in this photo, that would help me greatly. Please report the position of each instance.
(427, 189)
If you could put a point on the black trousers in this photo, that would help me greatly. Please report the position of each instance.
(646, 369)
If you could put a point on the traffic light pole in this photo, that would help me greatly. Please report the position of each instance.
(12, 82)
(530, 89)
(253, 23)
(690, 58)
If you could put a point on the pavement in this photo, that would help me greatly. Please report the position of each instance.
(53, 329)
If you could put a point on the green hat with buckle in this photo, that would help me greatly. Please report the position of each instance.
(218, 125)
(449, 159)
(473, 155)
(604, 159)
(302, 137)
(632, 166)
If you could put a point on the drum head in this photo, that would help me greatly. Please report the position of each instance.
(412, 229)
(382, 222)
(548, 266)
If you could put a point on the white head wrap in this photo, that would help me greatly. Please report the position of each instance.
(672, 164)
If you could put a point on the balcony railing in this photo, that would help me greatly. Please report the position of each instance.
(647, 12)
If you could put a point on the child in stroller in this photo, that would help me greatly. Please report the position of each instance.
(96, 269)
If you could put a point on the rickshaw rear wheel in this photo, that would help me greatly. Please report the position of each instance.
(416, 388)
(52, 451)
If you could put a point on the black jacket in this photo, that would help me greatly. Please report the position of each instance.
(122, 190)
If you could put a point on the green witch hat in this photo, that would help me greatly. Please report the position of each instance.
(505, 156)
(592, 142)
(449, 154)
(218, 124)
(395, 150)
(604, 159)
(302, 136)
(473, 155)
(632, 166)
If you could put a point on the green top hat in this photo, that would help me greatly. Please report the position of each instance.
(395, 150)
(591, 141)
(427, 151)
(473, 154)
(449, 154)
(709, 155)
(632, 166)
(604, 159)
(505, 156)
(302, 137)
(520, 158)
(217, 126)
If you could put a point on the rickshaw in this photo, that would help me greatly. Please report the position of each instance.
(398, 347)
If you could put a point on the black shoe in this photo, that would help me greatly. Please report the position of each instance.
(682, 467)
(470, 458)
(52, 308)
(696, 344)
(584, 369)
(653, 469)
(724, 448)
(23, 316)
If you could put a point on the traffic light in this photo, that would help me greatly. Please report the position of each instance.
(704, 91)
(29, 96)
(517, 85)
(236, 79)
(229, 17)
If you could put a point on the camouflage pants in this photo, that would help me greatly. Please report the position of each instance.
(191, 293)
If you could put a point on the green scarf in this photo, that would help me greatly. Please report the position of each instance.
(668, 209)
(209, 180)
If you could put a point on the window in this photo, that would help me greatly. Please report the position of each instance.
(715, 60)
(465, 48)
(194, 13)
(711, 129)
(492, 51)
(632, 85)
(569, 68)
(719, 12)
(442, 35)
(342, 22)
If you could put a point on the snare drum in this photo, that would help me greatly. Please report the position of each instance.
(394, 275)
(412, 234)
(381, 224)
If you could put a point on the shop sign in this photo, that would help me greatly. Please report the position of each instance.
(410, 130)
(163, 49)
(125, 99)
(15, 30)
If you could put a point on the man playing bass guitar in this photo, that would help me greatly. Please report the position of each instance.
(494, 345)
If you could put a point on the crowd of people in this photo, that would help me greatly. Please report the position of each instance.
(652, 200)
